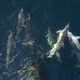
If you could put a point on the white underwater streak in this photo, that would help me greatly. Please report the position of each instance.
(49, 38)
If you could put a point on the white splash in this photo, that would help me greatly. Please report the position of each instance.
(74, 39)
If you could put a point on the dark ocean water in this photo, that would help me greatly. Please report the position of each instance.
(53, 13)
(48, 13)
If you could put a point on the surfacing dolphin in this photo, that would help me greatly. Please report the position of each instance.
(60, 41)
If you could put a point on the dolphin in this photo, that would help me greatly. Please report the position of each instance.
(74, 39)
(21, 19)
(60, 41)
(20, 23)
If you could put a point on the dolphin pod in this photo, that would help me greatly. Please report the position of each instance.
(60, 41)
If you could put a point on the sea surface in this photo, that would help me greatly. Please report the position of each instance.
(44, 14)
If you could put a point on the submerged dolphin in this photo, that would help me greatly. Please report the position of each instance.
(9, 48)
(49, 37)
(60, 41)
(74, 39)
